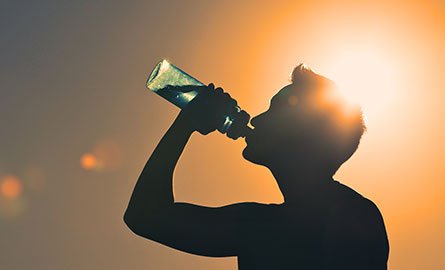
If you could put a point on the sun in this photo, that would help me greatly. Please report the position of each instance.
(365, 78)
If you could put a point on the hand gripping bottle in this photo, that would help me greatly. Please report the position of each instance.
(164, 81)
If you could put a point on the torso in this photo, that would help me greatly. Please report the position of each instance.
(303, 237)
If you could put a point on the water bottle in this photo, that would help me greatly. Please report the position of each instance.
(164, 81)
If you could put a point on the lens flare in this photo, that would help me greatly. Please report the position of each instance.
(364, 77)
(89, 162)
(11, 187)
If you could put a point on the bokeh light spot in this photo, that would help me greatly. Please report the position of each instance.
(11, 187)
(105, 156)
(88, 162)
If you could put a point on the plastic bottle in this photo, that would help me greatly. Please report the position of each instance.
(165, 78)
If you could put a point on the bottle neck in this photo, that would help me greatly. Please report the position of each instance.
(235, 123)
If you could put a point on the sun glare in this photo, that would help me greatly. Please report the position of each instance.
(364, 78)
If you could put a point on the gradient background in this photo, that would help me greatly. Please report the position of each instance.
(72, 84)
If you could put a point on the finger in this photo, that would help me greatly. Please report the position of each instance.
(228, 99)
(234, 131)
(232, 136)
(239, 125)
(232, 105)
(190, 88)
(244, 117)
(219, 90)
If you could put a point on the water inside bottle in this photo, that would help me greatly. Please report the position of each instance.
(179, 96)
(179, 88)
(173, 84)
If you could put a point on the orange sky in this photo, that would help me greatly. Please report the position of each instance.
(74, 86)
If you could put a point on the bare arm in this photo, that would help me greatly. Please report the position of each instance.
(153, 214)
(153, 190)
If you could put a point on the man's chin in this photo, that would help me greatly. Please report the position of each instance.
(251, 156)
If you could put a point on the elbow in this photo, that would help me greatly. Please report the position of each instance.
(128, 220)
(132, 222)
(139, 226)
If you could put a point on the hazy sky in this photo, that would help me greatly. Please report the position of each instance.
(72, 88)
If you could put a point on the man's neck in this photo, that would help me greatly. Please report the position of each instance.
(300, 183)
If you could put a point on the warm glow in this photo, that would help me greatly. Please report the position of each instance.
(77, 117)
(292, 100)
(105, 156)
(34, 178)
(10, 187)
(364, 77)
(88, 162)
(108, 155)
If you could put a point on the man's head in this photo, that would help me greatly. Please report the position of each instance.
(307, 124)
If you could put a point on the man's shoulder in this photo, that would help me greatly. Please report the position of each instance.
(350, 200)
(345, 191)
(357, 223)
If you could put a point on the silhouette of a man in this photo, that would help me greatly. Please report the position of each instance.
(303, 138)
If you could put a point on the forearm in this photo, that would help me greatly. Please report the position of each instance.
(153, 190)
